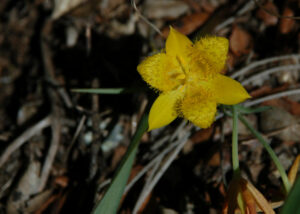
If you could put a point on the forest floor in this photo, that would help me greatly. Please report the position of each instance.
(59, 149)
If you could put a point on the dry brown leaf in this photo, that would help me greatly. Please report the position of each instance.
(266, 90)
(202, 135)
(261, 91)
(62, 181)
(34, 203)
(194, 5)
(249, 201)
(231, 199)
(135, 170)
(231, 61)
(61, 7)
(260, 200)
(277, 103)
(165, 9)
(188, 24)
(286, 25)
(253, 200)
(294, 107)
(240, 41)
(267, 18)
(279, 121)
(27, 186)
(215, 160)
(117, 156)
(145, 203)
(294, 169)
(287, 104)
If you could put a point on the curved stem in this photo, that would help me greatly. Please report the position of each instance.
(284, 177)
(235, 153)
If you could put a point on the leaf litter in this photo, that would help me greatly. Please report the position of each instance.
(53, 161)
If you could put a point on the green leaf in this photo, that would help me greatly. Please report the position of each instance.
(247, 110)
(111, 199)
(291, 204)
(273, 156)
(100, 90)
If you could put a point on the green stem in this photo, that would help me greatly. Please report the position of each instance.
(235, 152)
(111, 199)
(284, 177)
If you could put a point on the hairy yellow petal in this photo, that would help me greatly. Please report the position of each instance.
(161, 72)
(163, 110)
(228, 91)
(201, 112)
(211, 53)
(178, 46)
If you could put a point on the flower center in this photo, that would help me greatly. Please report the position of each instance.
(181, 76)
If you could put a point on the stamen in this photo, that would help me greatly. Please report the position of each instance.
(180, 63)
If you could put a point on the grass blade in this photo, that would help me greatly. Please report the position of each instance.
(100, 90)
(111, 199)
(292, 202)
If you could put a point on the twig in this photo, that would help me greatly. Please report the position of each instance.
(140, 174)
(274, 13)
(247, 7)
(144, 18)
(159, 143)
(271, 97)
(56, 127)
(159, 174)
(269, 134)
(17, 143)
(151, 164)
(263, 62)
(178, 130)
(55, 106)
(152, 173)
(270, 71)
(77, 132)
(65, 97)
(96, 137)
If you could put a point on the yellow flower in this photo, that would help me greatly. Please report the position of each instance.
(189, 79)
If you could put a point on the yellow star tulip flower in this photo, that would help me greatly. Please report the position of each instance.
(189, 79)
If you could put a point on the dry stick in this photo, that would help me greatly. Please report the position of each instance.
(266, 98)
(274, 13)
(66, 98)
(141, 173)
(271, 97)
(270, 71)
(159, 156)
(56, 124)
(56, 127)
(181, 142)
(77, 132)
(150, 165)
(152, 173)
(96, 137)
(263, 62)
(17, 143)
(159, 143)
(178, 130)
(247, 7)
(269, 134)
(145, 19)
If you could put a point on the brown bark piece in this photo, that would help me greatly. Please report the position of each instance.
(240, 41)
(286, 25)
(266, 17)
(188, 24)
